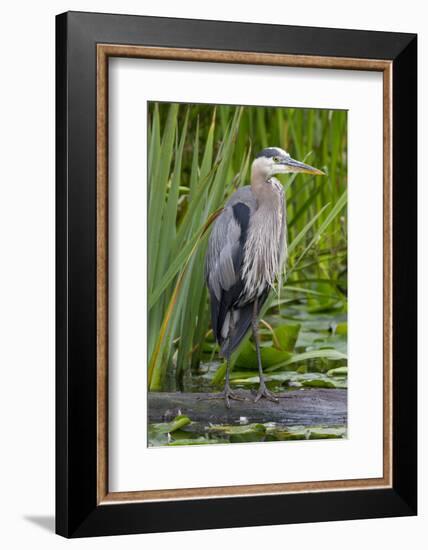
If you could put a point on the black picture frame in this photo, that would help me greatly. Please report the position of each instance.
(77, 511)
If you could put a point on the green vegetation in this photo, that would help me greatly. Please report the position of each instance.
(190, 433)
(198, 155)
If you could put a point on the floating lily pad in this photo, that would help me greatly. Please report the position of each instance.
(241, 433)
(159, 433)
(330, 354)
(196, 441)
(286, 336)
(279, 433)
(247, 358)
(321, 432)
(296, 379)
(230, 429)
(333, 341)
(342, 328)
(248, 433)
(339, 371)
(168, 427)
(317, 383)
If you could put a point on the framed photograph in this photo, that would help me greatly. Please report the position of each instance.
(236, 274)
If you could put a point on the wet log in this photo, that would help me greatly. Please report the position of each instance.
(306, 407)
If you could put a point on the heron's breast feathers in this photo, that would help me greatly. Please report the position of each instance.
(264, 251)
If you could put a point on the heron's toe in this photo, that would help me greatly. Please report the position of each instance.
(267, 394)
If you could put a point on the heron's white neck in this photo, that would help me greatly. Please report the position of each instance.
(266, 190)
(258, 175)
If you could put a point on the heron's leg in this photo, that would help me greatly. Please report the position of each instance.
(263, 391)
(227, 392)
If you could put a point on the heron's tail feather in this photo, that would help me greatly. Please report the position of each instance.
(239, 324)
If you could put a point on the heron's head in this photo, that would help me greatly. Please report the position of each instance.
(274, 160)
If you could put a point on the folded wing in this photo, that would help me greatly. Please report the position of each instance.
(230, 313)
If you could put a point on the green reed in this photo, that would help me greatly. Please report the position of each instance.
(198, 155)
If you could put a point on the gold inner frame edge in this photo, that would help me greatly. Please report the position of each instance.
(104, 51)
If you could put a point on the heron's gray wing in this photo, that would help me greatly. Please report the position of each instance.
(224, 261)
(224, 253)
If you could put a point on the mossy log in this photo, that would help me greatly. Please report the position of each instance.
(307, 407)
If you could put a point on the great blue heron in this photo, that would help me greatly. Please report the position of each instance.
(246, 250)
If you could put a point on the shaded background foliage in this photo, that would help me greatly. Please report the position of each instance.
(200, 154)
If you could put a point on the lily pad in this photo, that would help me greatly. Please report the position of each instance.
(196, 441)
(321, 432)
(339, 371)
(159, 433)
(247, 358)
(334, 341)
(168, 427)
(230, 429)
(330, 354)
(242, 433)
(286, 336)
(280, 433)
(317, 383)
(294, 379)
(342, 328)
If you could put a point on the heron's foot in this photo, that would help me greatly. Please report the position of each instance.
(264, 392)
(227, 394)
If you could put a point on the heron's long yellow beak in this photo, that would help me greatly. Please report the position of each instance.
(300, 167)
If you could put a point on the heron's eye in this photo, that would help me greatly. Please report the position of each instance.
(276, 159)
